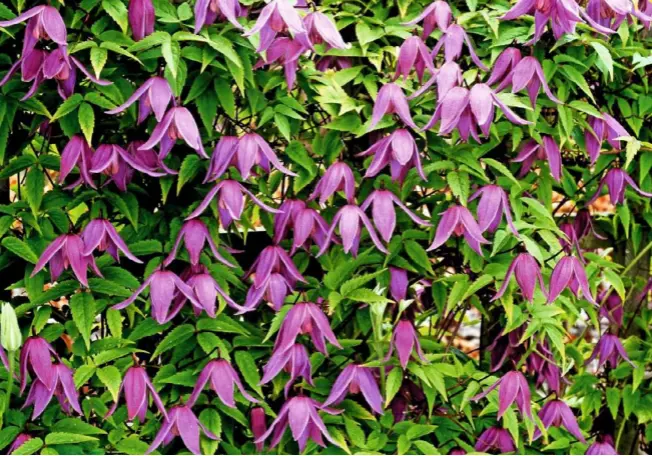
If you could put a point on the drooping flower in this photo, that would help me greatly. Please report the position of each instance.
(405, 340)
(224, 155)
(224, 379)
(611, 307)
(337, 178)
(527, 272)
(527, 74)
(101, 234)
(279, 16)
(332, 62)
(301, 414)
(253, 150)
(356, 379)
(36, 357)
(503, 68)
(491, 207)
(532, 151)
(177, 123)
(137, 388)
(64, 389)
(78, 153)
(383, 212)
(308, 226)
(305, 318)
(67, 251)
(609, 350)
(616, 180)
(459, 221)
(399, 151)
(206, 291)
(141, 18)
(512, 387)
(414, 55)
(446, 77)
(274, 290)
(398, 283)
(410, 399)
(154, 96)
(294, 360)
(495, 438)
(611, 13)
(604, 129)
(349, 220)
(274, 259)
(452, 40)
(437, 14)
(583, 224)
(114, 161)
(286, 52)
(30, 64)
(391, 100)
(258, 425)
(18, 442)
(182, 422)
(63, 69)
(540, 364)
(603, 445)
(195, 236)
(507, 346)
(569, 272)
(207, 11)
(45, 22)
(321, 29)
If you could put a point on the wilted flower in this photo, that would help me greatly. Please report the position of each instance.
(276, 17)
(356, 379)
(569, 272)
(77, 152)
(349, 219)
(305, 318)
(181, 421)
(391, 100)
(141, 18)
(274, 259)
(414, 55)
(398, 283)
(207, 11)
(338, 177)
(258, 425)
(137, 389)
(154, 96)
(284, 51)
(177, 123)
(459, 221)
(321, 29)
(491, 207)
(604, 129)
(64, 389)
(206, 290)
(609, 350)
(616, 180)
(45, 22)
(527, 272)
(603, 445)
(611, 308)
(503, 68)
(295, 361)
(452, 39)
(36, 357)
(527, 74)
(405, 340)
(18, 441)
(383, 212)
(512, 387)
(223, 380)
(195, 236)
(100, 234)
(532, 151)
(64, 252)
(399, 151)
(495, 438)
(437, 14)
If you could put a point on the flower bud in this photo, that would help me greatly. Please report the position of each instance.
(10, 336)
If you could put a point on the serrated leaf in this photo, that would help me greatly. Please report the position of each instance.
(64, 438)
(172, 54)
(604, 61)
(20, 248)
(189, 169)
(34, 188)
(82, 306)
(393, 384)
(110, 377)
(118, 12)
(30, 447)
(99, 57)
(68, 106)
(418, 254)
(177, 336)
(86, 116)
(248, 369)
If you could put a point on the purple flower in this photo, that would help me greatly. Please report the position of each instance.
(245, 153)
(45, 22)
(305, 318)
(540, 364)
(583, 225)
(611, 308)
(294, 360)
(62, 68)
(206, 290)
(495, 438)
(177, 123)
(406, 340)
(356, 379)
(77, 152)
(383, 212)
(603, 445)
(286, 52)
(36, 357)
(616, 180)
(163, 287)
(258, 425)
(399, 151)
(527, 272)
(398, 283)
(141, 18)
(491, 207)
(459, 221)
(446, 77)
(603, 129)
(512, 387)
(109, 159)
(556, 413)
(348, 219)
(64, 389)
(154, 96)
(338, 177)
(18, 441)
(195, 235)
(300, 413)
(391, 100)
(65, 252)
(569, 272)
(279, 16)
(207, 11)
(230, 202)
(273, 290)
(611, 13)
(437, 14)
(528, 74)
(452, 40)
(181, 421)
(137, 389)
(332, 62)
(321, 29)
(609, 350)
(274, 259)
(414, 55)
(531, 151)
(507, 347)
(100, 234)
(309, 226)
(504, 65)
(224, 155)
(223, 380)
(31, 65)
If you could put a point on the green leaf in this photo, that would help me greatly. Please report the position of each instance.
(585, 107)
(132, 445)
(86, 117)
(283, 125)
(68, 106)
(366, 295)
(502, 169)
(99, 57)
(155, 39)
(394, 382)
(63, 438)
(613, 401)
(118, 12)
(418, 254)
(459, 185)
(249, 371)
(29, 447)
(20, 248)
(578, 79)
(211, 419)
(225, 96)
(82, 306)
(225, 47)
(34, 188)
(172, 54)
(604, 61)
(110, 377)
(189, 169)
(616, 282)
(177, 336)
(76, 426)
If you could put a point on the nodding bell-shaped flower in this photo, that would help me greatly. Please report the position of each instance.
(356, 379)
(391, 100)
(405, 340)
(495, 438)
(274, 259)
(446, 77)
(77, 152)
(274, 290)
(258, 425)
(146, 161)
(332, 62)
(491, 207)
(30, 65)
(18, 442)
(527, 272)
(338, 177)
(527, 74)
(279, 16)
(459, 221)
(67, 251)
(208, 11)
(503, 68)
(583, 224)
(285, 219)
(206, 290)
(611, 307)
(309, 227)
(603, 445)
(286, 52)
(253, 150)
(101, 234)
(62, 68)
(141, 18)
(182, 422)
(224, 379)
(609, 350)
(398, 283)
(137, 388)
(452, 40)
(40, 396)
(295, 361)
(399, 151)
(177, 123)
(349, 220)
(532, 151)
(569, 272)
(321, 29)
(414, 55)
(305, 318)
(154, 96)
(540, 364)
(45, 22)
(224, 155)
(36, 358)
(437, 14)
(230, 202)
(195, 236)
(604, 129)
(163, 287)
(384, 215)
(116, 163)
(507, 347)
(512, 387)
(616, 180)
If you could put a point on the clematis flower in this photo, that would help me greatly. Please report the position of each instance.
(348, 219)
(309, 227)
(548, 151)
(437, 14)
(410, 398)
(286, 52)
(64, 389)
(383, 212)
(137, 389)
(18, 442)
(146, 161)
(141, 18)
(274, 259)
(616, 180)
(258, 425)
(491, 207)
(224, 155)
(177, 123)
(279, 16)
(64, 252)
(224, 379)
(163, 286)
(604, 129)
(527, 272)
(230, 202)
(59, 66)
(30, 64)
(45, 22)
(114, 161)
(459, 221)
(273, 290)
(446, 77)
(541, 365)
(405, 340)
(512, 387)
(3, 358)
(495, 438)
(507, 346)
(332, 62)
(321, 29)
(414, 55)
(603, 445)
(300, 413)
(503, 68)
(286, 219)
(154, 96)
(195, 236)
(100, 234)
(181, 421)
(337, 178)
(36, 357)
(609, 350)
(398, 283)
(583, 225)
(305, 318)
(206, 290)
(527, 74)
(452, 39)
(399, 151)
(391, 100)
(356, 379)
(611, 13)
(294, 360)
(253, 150)
(611, 308)
(569, 272)
(207, 11)
(78, 153)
